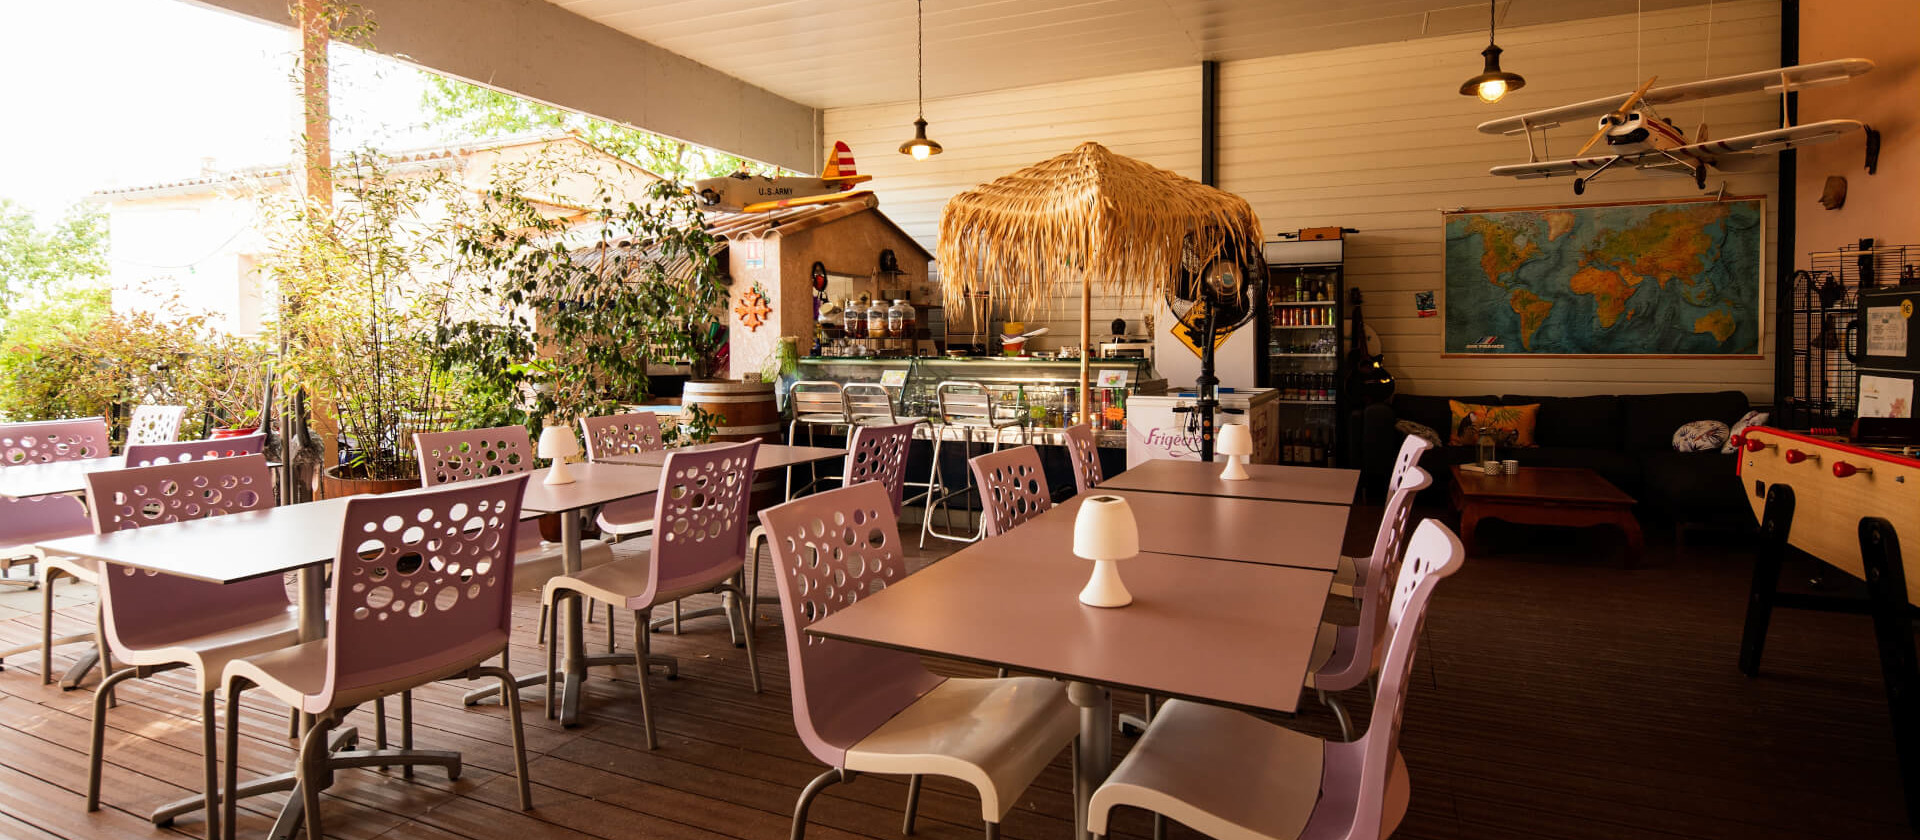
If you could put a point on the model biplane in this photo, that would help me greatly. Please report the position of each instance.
(744, 193)
(1636, 136)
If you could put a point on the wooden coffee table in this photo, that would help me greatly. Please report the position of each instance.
(1574, 497)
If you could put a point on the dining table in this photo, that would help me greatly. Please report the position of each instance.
(60, 477)
(1237, 634)
(1300, 534)
(1273, 482)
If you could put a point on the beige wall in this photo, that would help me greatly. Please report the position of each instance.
(1885, 206)
(1374, 138)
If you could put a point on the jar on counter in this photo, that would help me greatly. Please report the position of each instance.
(902, 320)
(877, 324)
(855, 322)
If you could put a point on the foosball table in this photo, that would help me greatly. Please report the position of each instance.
(1850, 507)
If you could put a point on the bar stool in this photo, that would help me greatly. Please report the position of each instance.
(871, 404)
(816, 403)
(968, 407)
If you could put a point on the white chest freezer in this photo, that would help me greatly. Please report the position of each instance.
(1155, 430)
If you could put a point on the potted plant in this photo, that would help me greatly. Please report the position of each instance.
(364, 283)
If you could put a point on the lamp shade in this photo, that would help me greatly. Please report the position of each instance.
(1105, 530)
(1234, 439)
(558, 442)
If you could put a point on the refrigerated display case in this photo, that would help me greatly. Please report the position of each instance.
(1306, 346)
(1043, 392)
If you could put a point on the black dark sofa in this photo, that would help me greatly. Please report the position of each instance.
(1626, 438)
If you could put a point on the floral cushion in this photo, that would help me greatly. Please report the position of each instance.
(1700, 436)
(1751, 418)
(1511, 425)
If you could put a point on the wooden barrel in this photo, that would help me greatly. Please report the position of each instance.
(744, 410)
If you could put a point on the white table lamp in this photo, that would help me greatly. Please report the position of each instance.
(1104, 532)
(1234, 441)
(558, 443)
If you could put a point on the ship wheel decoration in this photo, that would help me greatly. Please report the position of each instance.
(752, 308)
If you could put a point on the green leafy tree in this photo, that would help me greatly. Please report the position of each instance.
(35, 257)
(464, 110)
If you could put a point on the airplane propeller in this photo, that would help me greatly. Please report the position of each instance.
(1619, 115)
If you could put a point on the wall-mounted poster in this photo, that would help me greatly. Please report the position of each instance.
(1666, 278)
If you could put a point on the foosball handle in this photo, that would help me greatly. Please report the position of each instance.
(1842, 469)
(1795, 456)
(1754, 444)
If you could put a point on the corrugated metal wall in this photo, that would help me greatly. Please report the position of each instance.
(1374, 138)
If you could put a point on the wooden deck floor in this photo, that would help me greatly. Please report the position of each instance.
(1557, 698)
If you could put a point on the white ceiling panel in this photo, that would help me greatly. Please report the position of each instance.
(839, 53)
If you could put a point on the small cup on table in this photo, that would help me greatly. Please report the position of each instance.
(1510, 467)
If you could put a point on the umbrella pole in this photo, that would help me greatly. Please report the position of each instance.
(1086, 348)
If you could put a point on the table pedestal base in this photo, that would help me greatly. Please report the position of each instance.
(1094, 749)
(570, 692)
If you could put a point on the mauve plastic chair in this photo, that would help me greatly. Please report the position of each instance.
(25, 522)
(1232, 776)
(1351, 572)
(1013, 488)
(1346, 656)
(1084, 451)
(180, 452)
(154, 622)
(422, 592)
(865, 709)
(155, 424)
(623, 434)
(699, 546)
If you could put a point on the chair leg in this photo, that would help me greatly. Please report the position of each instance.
(209, 745)
(821, 782)
(99, 741)
(1159, 827)
(610, 646)
(229, 803)
(753, 664)
(993, 831)
(913, 803)
(46, 627)
(553, 654)
(380, 725)
(293, 724)
(1339, 712)
(542, 632)
(313, 771)
(642, 618)
(512, 696)
(406, 725)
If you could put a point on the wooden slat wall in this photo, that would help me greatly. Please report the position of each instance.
(1374, 138)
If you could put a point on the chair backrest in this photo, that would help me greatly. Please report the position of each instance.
(879, 453)
(45, 441)
(870, 401)
(964, 402)
(1433, 552)
(1381, 567)
(621, 434)
(701, 514)
(1410, 451)
(155, 423)
(464, 455)
(829, 550)
(1084, 451)
(145, 609)
(1013, 488)
(423, 582)
(180, 452)
(818, 398)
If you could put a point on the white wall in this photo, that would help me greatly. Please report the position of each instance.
(1375, 138)
(188, 254)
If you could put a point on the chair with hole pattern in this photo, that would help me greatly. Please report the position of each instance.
(155, 424)
(623, 434)
(1013, 488)
(180, 452)
(1084, 451)
(864, 709)
(1233, 776)
(422, 592)
(699, 546)
(1350, 573)
(154, 622)
(28, 521)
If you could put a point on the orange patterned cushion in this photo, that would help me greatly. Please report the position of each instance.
(1511, 425)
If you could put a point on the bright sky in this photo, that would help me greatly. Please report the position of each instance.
(103, 93)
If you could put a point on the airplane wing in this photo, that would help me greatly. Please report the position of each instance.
(826, 198)
(1799, 76)
(1770, 142)
(1548, 168)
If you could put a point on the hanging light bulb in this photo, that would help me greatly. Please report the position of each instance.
(1493, 83)
(920, 147)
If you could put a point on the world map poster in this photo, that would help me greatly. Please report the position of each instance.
(1671, 278)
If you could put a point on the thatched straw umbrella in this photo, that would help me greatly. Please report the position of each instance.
(1090, 215)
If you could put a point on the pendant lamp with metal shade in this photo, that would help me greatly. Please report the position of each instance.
(1493, 82)
(920, 147)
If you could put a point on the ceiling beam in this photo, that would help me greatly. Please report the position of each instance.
(540, 51)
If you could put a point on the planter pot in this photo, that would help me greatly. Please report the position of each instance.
(233, 433)
(334, 485)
